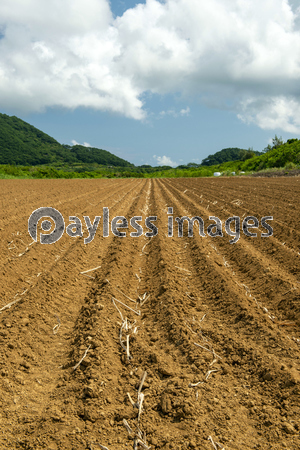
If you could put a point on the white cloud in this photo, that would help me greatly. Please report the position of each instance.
(165, 161)
(85, 144)
(173, 113)
(272, 113)
(185, 112)
(170, 112)
(72, 53)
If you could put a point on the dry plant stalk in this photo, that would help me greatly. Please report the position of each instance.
(11, 248)
(138, 441)
(290, 290)
(127, 348)
(141, 395)
(208, 349)
(209, 372)
(127, 426)
(140, 403)
(120, 336)
(181, 268)
(90, 270)
(190, 328)
(138, 438)
(247, 290)
(285, 323)
(128, 327)
(9, 305)
(26, 250)
(237, 202)
(215, 444)
(144, 247)
(88, 276)
(131, 401)
(112, 299)
(126, 306)
(57, 326)
(142, 381)
(203, 317)
(143, 299)
(78, 364)
(120, 291)
(296, 340)
(196, 384)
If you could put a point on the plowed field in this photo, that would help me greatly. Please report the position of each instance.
(202, 353)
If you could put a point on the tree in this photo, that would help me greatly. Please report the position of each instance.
(191, 164)
(247, 154)
(276, 141)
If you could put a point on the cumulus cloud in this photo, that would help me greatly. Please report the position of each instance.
(72, 53)
(174, 113)
(165, 161)
(272, 113)
(85, 144)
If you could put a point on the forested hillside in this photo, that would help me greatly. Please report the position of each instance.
(23, 144)
(229, 154)
(286, 154)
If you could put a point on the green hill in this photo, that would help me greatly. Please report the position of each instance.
(229, 154)
(23, 144)
(287, 154)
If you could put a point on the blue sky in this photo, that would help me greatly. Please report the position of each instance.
(166, 82)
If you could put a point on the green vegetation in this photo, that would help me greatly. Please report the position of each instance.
(23, 144)
(279, 156)
(229, 154)
(26, 152)
(277, 142)
(285, 155)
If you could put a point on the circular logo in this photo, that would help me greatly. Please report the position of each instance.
(45, 213)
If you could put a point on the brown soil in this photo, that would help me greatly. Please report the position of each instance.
(239, 388)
